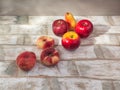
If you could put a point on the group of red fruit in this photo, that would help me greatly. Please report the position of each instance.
(71, 32)
(49, 55)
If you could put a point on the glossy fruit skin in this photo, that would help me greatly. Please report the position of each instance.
(26, 60)
(59, 27)
(84, 28)
(49, 56)
(70, 43)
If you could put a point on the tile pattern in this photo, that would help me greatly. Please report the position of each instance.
(93, 66)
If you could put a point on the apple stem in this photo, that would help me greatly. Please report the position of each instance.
(44, 40)
(71, 36)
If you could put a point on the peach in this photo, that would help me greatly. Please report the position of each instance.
(26, 60)
(45, 42)
(50, 56)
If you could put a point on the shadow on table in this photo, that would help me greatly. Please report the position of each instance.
(98, 30)
(11, 69)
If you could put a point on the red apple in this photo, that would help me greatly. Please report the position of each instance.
(71, 40)
(50, 56)
(26, 60)
(45, 42)
(84, 28)
(59, 27)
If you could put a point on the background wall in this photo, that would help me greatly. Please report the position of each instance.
(59, 7)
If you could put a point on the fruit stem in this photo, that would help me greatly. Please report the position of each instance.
(71, 36)
(44, 40)
(67, 13)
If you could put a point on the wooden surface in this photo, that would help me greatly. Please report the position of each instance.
(95, 65)
(59, 7)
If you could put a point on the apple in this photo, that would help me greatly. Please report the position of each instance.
(26, 60)
(50, 56)
(60, 27)
(45, 42)
(70, 40)
(84, 28)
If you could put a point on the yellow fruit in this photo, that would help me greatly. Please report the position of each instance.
(69, 18)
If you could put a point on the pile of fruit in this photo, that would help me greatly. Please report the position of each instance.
(71, 32)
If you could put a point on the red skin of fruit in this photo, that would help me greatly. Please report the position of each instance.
(84, 28)
(44, 42)
(50, 56)
(26, 60)
(60, 27)
(70, 40)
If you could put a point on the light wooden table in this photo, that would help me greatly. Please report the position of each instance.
(95, 65)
